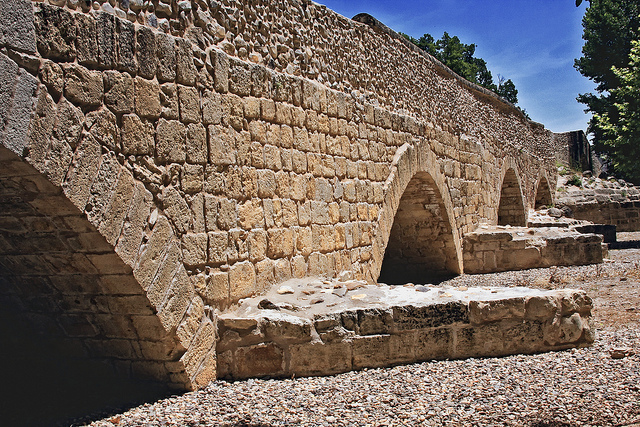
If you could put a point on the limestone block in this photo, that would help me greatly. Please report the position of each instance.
(218, 244)
(146, 52)
(222, 145)
(125, 46)
(281, 243)
(250, 214)
(147, 98)
(185, 68)
(375, 321)
(103, 126)
(200, 347)
(216, 288)
(540, 308)
(178, 299)
(168, 266)
(166, 52)
(170, 141)
(106, 36)
(265, 275)
(52, 76)
(429, 316)
(257, 242)
(87, 43)
(189, 104)
(371, 351)
(491, 311)
(86, 162)
(572, 301)
(290, 328)
(102, 189)
(323, 238)
(192, 178)
(115, 214)
(137, 135)
(211, 108)
(268, 109)
(220, 62)
(258, 360)
(176, 208)
(433, 344)
(227, 214)
(55, 30)
(266, 184)
(242, 280)
(194, 249)
(83, 86)
(320, 359)
(129, 242)
(169, 101)
(196, 144)
(118, 94)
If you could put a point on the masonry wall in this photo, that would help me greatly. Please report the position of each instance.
(220, 147)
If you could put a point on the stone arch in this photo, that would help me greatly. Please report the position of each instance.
(416, 198)
(64, 283)
(511, 209)
(544, 196)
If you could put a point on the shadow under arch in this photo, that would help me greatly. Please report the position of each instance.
(511, 210)
(544, 196)
(417, 239)
(79, 333)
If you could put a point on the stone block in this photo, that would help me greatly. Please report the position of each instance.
(146, 52)
(137, 135)
(222, 145)
(106, 36)
(115, 214)
(242, 280)
(218, 244)
(176, 208)
(82, 86)
(147, 98)
(19, 112)
(211, 108)
(55, 29)
(259, 361)
(194, 249)
(118, 94)
(281, 243)
(217, 288)
(185, 68)
(125, 46)
(189, 104)
(166, 52)
(429, 316)
(540, 308)
(17, 25)
(170, 141)
(371, 351)
(192, 180)
(375, 321)
(320, 359)
(490, 311)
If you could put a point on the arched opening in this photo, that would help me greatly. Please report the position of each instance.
(511, 208)
(421, 248)
(74, 323)
(543, 194)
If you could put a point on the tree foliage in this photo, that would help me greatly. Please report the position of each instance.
(610, 27)
(622, 139)
(459, 57)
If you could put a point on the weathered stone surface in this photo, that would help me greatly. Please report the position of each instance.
(170, 141)
(118, 94)
(17, 23)
(55, 31)
(137, 135)
(147, 98)
(83, 86)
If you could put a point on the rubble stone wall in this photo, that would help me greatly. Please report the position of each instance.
(221, 147)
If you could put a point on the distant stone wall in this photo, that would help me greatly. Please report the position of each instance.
(487, 251)
(220, 148)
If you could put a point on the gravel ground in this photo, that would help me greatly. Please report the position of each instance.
(583, 387)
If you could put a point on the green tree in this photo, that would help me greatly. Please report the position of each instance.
(610, 26)
(622, 139)
(459, 57)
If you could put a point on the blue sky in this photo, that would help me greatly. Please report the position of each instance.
(533, 43)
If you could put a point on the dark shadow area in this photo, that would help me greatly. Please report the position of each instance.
(543, 195)
(420, 249)
(511, 208)
(43, 386)
(393, 276)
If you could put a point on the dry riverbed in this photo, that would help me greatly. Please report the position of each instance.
(595, 386)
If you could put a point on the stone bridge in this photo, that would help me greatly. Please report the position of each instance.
(162, 160)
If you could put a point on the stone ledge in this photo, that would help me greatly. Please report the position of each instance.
(380, 325)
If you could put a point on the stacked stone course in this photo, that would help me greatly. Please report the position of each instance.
(219, 148)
